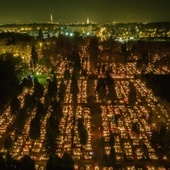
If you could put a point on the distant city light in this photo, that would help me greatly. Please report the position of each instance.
(71, 34)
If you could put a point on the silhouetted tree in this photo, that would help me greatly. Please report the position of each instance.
(112, 93)
(34, 58)
(9, 80)
(2, 163)
(109, 80)
(67, 74)
(11, 163)
(52, 88)
(26, 82)
(62, 90)
(83, 135)
(46, 100)
(29, 102)
(82, 132)
(102, 93)
(51, 133)
(135, 127)
(34, 132)
(163, 131)
(8, 143)
(93, 51)
(76, 59)
(75, 102)
(103, 68)
(40, 111)
(38, 89)
(67, 162)
(112, 156)
(27, 163)
(74, 85)
(54, 162)
(20, 120)
(101, 83)
(40, 33)
(15, 105)
(132, 94)
(111, 140)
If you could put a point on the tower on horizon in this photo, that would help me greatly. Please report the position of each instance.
(51, 18)
(88, 21)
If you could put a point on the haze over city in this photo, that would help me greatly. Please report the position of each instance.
(77, 11)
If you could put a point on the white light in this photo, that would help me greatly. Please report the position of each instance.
(71, 34)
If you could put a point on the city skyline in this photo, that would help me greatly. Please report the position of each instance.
(76, 11)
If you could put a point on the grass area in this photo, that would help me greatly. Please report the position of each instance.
(42, 78)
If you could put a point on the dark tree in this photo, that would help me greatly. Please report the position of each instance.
(20, 120)
(62, 90)
(93, 51)
(112, 156)
(57, 108)
(75, 102)
(26, 82)
(160, 153)
(76, 59)
(40, 33)
(34, 132)
(27, 163)
(11, 163)
(103, 68)
(91, 101)
(40, 111)
(155, 139)
(163, 131)
(111, 140)
(67, 74)
(15, 106)
(145, 151)
(102, 93)
(54, 163)
(83, 135)
(123, 47)
(109, 80)
(135, 127)
(47, 101)
(9, 80)
(132, 94)
(84, 72)
(101, 83)
(34, 58)
(82, 132)
(29, 102)
(52, 88)
(38, 89)
(112, 93)
(8, 143)
(2, 163)
(80, 123)
(74, 85)
(67, 162)
(51, 133)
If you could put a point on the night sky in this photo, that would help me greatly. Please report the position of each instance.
(79, 10)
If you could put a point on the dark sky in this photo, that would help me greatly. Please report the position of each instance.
(78, 10)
